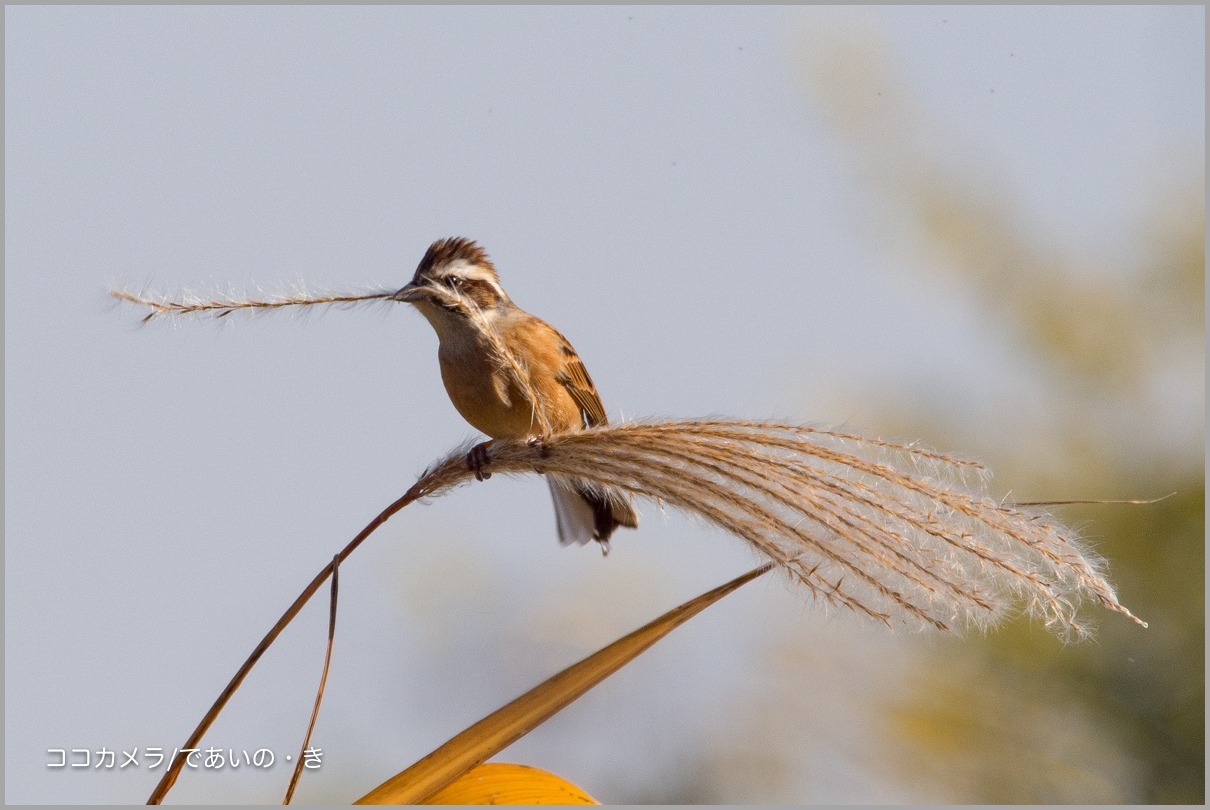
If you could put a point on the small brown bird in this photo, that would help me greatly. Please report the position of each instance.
(512, 376)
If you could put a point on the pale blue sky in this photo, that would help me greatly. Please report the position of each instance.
(653, 181)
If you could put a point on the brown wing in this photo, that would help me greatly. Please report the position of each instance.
(574, 377)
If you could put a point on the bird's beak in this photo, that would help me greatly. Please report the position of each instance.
(411, 292)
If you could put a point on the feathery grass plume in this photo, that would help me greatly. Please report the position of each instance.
(220, 306)
(894, 532)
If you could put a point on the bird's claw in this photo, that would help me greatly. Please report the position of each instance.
(539, 443)
(477, 459)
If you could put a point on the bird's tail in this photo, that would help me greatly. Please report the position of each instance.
(585, 513)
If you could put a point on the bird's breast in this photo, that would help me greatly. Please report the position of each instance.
(486, 391)
(484, 394)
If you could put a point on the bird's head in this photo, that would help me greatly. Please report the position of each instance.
(454, 278)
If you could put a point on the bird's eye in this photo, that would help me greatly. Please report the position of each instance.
(455, 282)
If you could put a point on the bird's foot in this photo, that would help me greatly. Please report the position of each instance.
(477, 459)
(539, 443)
(604, 547)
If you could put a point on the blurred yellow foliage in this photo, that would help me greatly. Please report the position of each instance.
(1117, 349)
(501, 783)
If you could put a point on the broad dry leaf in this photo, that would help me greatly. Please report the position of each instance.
(505, 726)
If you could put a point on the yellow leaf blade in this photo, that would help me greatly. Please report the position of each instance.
(506, 725)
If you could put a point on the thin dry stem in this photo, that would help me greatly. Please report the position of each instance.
(424, 487)
(323, 681)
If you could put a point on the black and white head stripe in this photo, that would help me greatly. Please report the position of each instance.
(444, 254)
(463, 265)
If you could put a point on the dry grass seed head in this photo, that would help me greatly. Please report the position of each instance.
(893, 532)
